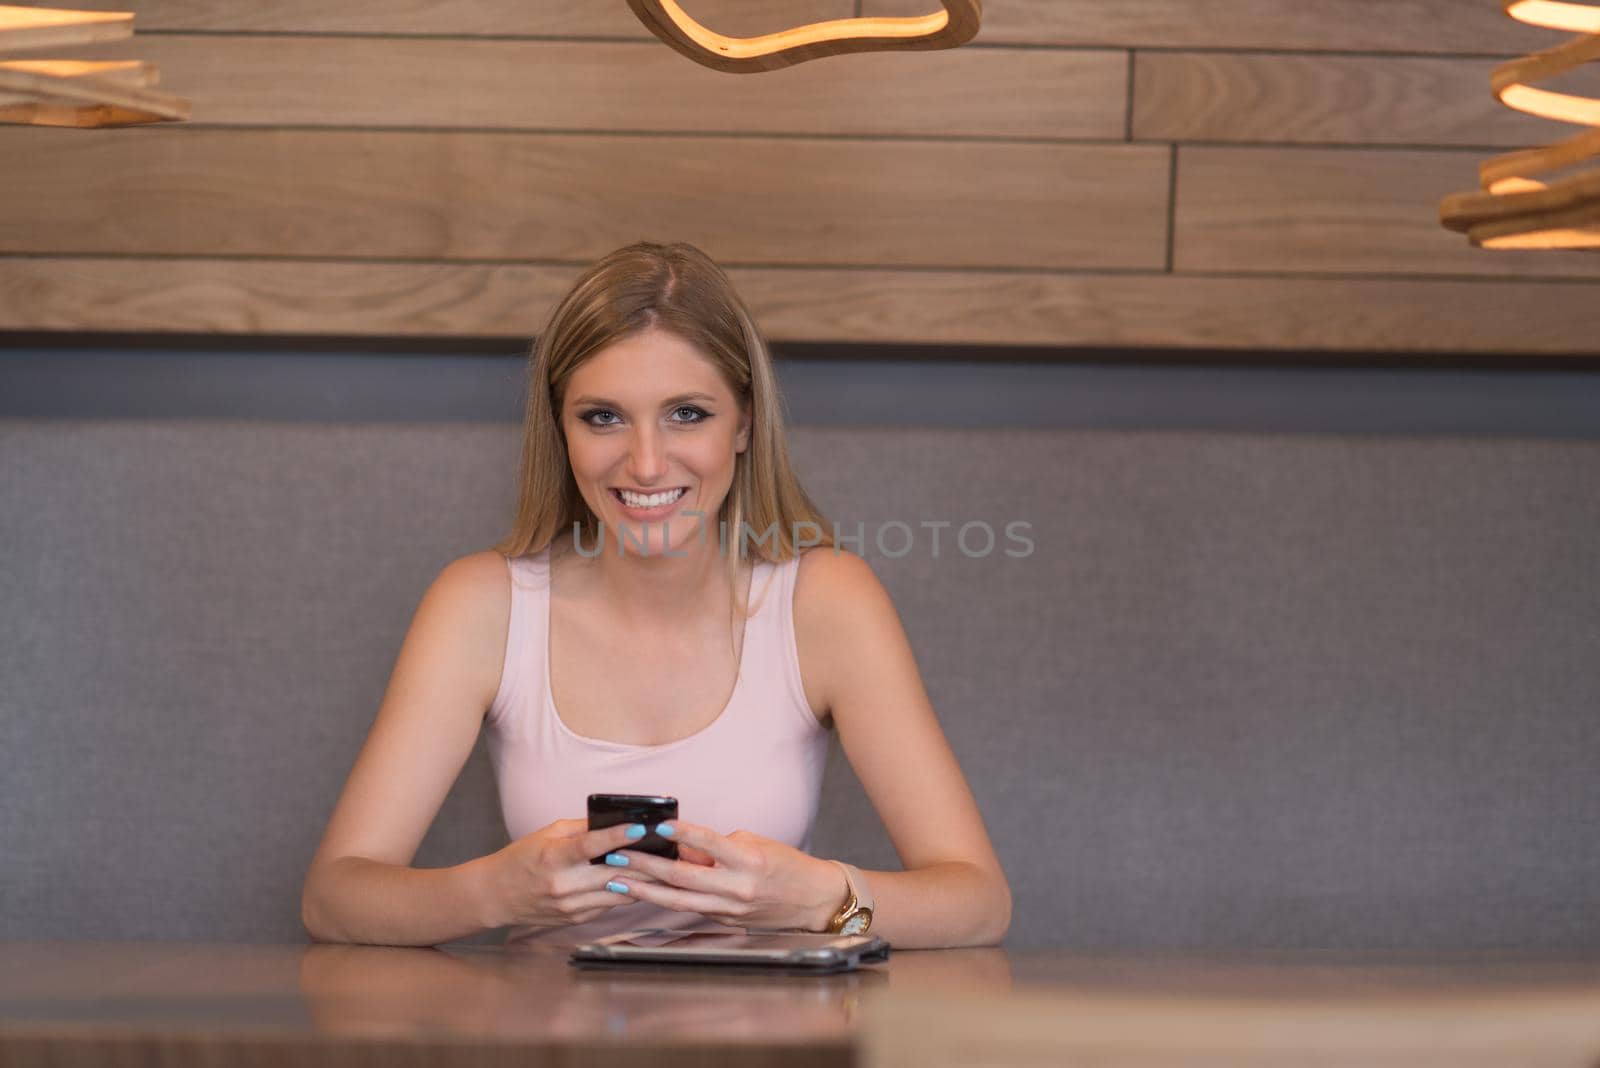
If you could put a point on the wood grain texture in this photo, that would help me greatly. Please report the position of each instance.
(1317, 210)
(1117, 310)
(562, 85)
(1424, 26)
(575, 197)
(1323, 99)
(494, 18)
(1464, 1028)
(398, 131)
(208, 1004)
(211, 1005)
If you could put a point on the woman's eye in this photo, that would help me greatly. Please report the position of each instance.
(607, 417)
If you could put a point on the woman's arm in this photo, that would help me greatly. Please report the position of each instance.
(854, 650)
(359, 887)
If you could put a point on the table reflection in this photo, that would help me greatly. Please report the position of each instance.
(380, 991)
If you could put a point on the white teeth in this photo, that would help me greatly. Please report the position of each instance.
(654, 500)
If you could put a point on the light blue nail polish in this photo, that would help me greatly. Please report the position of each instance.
(636, 831)
(616, 860)
(616, 888)
(665, 830)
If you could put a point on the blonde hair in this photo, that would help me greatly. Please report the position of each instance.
(676, 288)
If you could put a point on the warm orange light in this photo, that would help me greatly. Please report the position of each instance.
(1556, 15)
(955, 24)
(38, 27)
(60, 92)
(1513, 82)
(1545, 239)
(1516, 210)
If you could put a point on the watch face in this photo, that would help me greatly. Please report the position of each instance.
(857, 924)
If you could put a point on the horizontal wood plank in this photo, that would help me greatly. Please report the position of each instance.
(491, 18)
(522, 197)
(1328, 210)
(1325, 99)
(1421, 26)
(567, 85)
(1425, 26)
(936, 307)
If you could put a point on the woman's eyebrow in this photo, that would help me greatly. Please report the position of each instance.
(669, 402)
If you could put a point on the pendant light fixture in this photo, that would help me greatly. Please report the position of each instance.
(1517, 207)
(64, 92)
(954, 24)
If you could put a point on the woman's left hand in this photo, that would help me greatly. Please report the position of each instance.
(740, 879)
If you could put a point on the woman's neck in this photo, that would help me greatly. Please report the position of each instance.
(649, 592)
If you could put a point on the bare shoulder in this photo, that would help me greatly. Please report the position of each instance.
(829, 584)
(473, 595)
(481, 571)
(479, 583)
(838, 603)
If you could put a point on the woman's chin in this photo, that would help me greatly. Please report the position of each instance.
(656, 538)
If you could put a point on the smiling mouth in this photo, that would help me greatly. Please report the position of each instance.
(648, 502)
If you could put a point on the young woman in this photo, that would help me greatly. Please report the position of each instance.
(669, 615)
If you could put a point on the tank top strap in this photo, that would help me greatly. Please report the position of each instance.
(526, 642)
(773, 656)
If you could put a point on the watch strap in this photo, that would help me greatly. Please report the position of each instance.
(858, 884)
(857, 899)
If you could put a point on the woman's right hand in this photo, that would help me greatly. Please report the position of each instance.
(545, 878)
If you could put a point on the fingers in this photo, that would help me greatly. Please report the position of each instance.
(721, 849)
(606, 840)
(576, 892)
(670, 897)
(686, 875)
(691, 855)
(585, 906)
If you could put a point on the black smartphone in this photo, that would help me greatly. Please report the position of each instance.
(608, 810)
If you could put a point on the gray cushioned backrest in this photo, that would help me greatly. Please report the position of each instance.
(1246, 691)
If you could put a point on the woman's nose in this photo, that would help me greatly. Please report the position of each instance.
(646, 457)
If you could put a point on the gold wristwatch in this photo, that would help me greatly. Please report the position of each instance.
(855, 915)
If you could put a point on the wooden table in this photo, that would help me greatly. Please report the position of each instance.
(108, 1003)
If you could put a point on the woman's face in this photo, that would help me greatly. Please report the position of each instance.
(652, 431)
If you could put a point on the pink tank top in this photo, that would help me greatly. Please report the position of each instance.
(756, 767)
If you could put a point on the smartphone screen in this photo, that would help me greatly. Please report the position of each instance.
(608, 810)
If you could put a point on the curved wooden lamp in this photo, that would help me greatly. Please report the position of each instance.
(955, 24)
(63, 92)
(1515, 209)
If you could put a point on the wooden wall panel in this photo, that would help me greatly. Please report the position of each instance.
(478, 18)
(575, 197)
(1426, 26)
(940, 307)
(1340, 211)
(1420, 26)
(1324, 99)
(1189, 173)
(573, 85)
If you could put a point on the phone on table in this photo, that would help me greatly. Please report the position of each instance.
(608, 810)
(779, 951)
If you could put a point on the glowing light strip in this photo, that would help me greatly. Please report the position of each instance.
(1515, 210)
(1555, 15)
(955, 24)
(59, 92)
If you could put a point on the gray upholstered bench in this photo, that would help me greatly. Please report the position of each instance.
(1247, 690)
